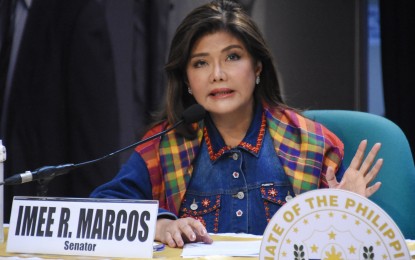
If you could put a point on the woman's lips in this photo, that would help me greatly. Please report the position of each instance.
(221, 92)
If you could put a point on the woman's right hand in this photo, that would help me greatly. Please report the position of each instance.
(361, 172)
(175, 233)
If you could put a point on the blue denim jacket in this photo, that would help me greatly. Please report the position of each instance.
(237, 192)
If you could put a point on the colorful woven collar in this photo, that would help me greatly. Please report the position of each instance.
(305, 150)
(251, 143)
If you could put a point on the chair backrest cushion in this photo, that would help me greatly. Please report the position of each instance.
(397, 193)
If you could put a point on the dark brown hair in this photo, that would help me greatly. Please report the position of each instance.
(216, 16)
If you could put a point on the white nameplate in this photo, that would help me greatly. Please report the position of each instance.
(88, 227)
(332, 224)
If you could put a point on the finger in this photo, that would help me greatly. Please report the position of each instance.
(163, 234)
(331, 177)
(374, 171)
(203, 235)
(372, 189)
(177, 237)
(199, 230)
(370, 158)
(187, 230)
(206, 239)
(196, 228)
(168, 239)
(358, 157)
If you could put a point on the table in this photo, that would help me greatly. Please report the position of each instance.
(167, 253)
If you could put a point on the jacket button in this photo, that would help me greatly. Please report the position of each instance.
(239, 213)
(240, 195)
(235, 175)
(194, 205)
(235, 156)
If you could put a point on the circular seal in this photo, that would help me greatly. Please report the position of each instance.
(332, 224)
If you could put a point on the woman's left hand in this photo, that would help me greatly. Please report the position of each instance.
(360, 172)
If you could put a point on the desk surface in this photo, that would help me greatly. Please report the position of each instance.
(167, 253)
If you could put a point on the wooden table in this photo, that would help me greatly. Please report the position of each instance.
(167, 253)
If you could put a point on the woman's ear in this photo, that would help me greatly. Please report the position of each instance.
(185, 80)
(258, 68)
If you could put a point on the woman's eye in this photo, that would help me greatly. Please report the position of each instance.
(233, 56)
(199, 63)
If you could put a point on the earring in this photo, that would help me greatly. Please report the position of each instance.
(257, 80)
(190, 91)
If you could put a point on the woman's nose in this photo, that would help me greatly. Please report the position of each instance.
(218, 74)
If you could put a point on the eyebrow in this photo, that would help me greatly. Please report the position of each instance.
(204, 54)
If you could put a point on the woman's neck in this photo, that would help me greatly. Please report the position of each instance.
(233, 127)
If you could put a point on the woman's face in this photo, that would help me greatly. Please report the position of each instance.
(221, 74)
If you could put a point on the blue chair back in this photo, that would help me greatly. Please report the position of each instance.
(397, 193)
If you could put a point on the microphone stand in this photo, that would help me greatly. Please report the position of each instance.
(50, 172)
(45, 174)
(42, 187)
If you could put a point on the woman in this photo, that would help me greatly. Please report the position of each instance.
(233, 170)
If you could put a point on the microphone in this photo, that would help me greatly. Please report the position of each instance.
(192, 114)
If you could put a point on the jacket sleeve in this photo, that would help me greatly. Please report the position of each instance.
(333, 156)
(131, 182)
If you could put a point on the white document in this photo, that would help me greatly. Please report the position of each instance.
(223, 248)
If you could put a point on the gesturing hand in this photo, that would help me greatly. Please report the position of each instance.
(360, 172)
(175, 233)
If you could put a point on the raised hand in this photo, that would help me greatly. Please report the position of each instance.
(360, 173)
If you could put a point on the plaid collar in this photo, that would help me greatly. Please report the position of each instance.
(252, 142)
(305, 150)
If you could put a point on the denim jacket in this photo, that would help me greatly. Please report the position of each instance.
(238, 190)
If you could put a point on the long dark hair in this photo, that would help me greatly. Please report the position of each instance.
(216, 16)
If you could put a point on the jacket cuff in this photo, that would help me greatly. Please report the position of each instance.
(163, 213)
